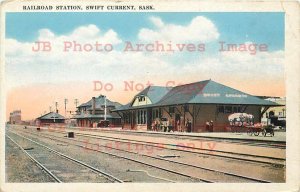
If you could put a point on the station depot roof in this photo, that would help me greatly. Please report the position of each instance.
(202, 92)
(51, 115)
(100, 102)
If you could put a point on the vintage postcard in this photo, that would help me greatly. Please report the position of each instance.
(150, 95)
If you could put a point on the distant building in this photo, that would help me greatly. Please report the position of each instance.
(275, 115)
(277, 111)
(15, 117)
(51, 119)
(91, 113)
(190, 107)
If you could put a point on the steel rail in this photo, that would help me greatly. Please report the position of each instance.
(267, 143)
(154, 144)
(36, 161)
(109, 176)
(168, 160)
(134, 160)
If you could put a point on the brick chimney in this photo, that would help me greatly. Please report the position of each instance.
(93, 105)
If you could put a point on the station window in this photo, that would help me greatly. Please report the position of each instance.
(171, 109)
(186, 108)
(228, 109)
(141, 117)
(142, 98)
(221, 109)
(156, 113)
(239, 109)
(235, 109)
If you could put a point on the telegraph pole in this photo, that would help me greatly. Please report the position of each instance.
(56, 104)
(66, 101)
(76, 102)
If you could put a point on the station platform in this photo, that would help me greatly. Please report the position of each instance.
(211, 142)
(208, 141)
(280, 136)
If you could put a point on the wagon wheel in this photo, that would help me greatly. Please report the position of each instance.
(249, 132)
(256, 133)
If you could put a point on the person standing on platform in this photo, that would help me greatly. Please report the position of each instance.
(178, 126)
(207, 126)
(189, 126)
(211, 126)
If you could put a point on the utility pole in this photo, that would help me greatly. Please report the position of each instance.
(76, 102)
(50, 109)
(56, 104)
(66, 101)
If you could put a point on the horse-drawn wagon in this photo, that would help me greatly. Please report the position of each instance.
(264, 130)
(243, 122)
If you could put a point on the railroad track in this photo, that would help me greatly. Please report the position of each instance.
(65, 167)
(201, 151)
(251, 142)
(244, 141)
(47, 171)
(211, 152)
(218, 172)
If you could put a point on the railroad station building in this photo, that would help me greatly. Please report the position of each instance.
(197, 103)
(91, 113)
(51, 119)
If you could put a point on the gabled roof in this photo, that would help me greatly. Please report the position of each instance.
(202, 92)
(154, 93)
(51, 115)
(217, 93)
(99, 103)
(183, 93)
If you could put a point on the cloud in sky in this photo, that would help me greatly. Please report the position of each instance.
(56, 66)
(199, 29)
(20, 53)
(58, 75)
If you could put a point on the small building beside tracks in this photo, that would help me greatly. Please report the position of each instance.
(51, 119)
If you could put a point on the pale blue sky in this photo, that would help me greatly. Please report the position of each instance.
(257, 74)
(233, 27)
(23, 29)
